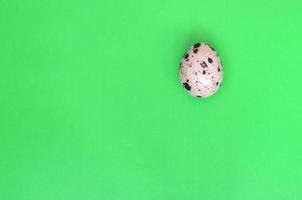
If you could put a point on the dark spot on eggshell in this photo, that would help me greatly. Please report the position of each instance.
(210, 60)
(187, 86)
(211, 48)
(196, 45)
(187, 80)
(195, 50)
(218, 69)
(203, 64)
(204, 72)
(186, 56)
(217, 82)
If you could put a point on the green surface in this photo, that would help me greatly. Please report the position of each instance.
(91, 106)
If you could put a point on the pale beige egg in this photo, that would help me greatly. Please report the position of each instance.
(201, 70)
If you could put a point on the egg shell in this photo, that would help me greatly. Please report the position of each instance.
(201, 71)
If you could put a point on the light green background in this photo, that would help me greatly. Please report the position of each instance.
(91, 106)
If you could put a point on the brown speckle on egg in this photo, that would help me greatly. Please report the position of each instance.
(196, 45)
(203, 64)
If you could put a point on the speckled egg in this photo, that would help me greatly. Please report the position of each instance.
(201, 70)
